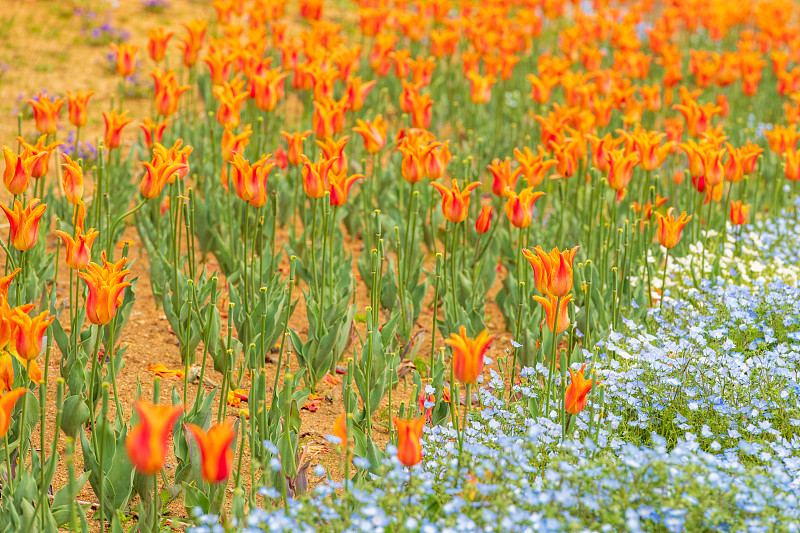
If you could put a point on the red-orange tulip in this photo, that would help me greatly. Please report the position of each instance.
(455, 202)
(576, 393)
(29, 332)
(24, 223)
(79, 250)
(295, 143)
(215, 450)
(484, 221)
(739, 213)
(157, 43)
(519, 207)
(7, 403)
(373, 132)
(153, 133)
(147, 441)
(468, 354)
(126, 58)
(45, 113)
(503, 177)
(106, 287)
(552, 271)
(114, 124)
(669, 228)
(549, 304)
(409, 435)
(76, 105)
(340, 185)
(19, 170)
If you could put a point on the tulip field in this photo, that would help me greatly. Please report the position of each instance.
(400, 265)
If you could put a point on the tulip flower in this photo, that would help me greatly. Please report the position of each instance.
(503, 177)
(295, 143)
(147, 441)
(125, 55)
(215, 450)
(552, 271)
(421, 105)
(323, 121)
(219, 66)
(114, 124)
(669, 228)
(549, 305)
(40, 154)
(29, 332)
(6, 373)
(106, 287)
(153, 133)
(167, 92)
(76, 105)
(250, 181)
(7, 403)
(519, 207)
(620, 171)
(315, 177)
(78, 250)
(484, 220)
(409, 434)
(455, 202)
(24, 223)
(739, 213)
(480, 90)
(19, 170)
(436, 160)
(334, 150)
(45, 112)
(651, 152)
(157, 43)
(339, 186)
(5, 283)
(577, 391)
(468, 354)
(231, 98)
(340, 429)
(356, 92)
(533, 168)
(158, 173)
(373, 132)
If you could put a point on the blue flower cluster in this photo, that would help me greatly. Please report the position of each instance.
(698, 430)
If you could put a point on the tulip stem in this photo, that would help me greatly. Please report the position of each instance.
(22, 440)
(314, 245)
(552, 368)
(664, 280)
(7, 486)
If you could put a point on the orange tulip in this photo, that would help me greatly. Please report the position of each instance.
(45, 113)
(455, 202)
(409, 434)
(669, 228)
(533, 168)
(340, 429)
(219, 66)
(480, 90)
(157, 175)
(651, 152)
(167, 92)
(29, 332)
(484, 220)
(78, 250)
(356, 92)
(334, 150)
(268, 89)
(157, 43)
(106, 286)
(7, 403)
(577, 391)
(549, 304)
(153, 133)
(468, 354)
(323, 121)
(114, 124)
(421, 105)
(40, 154)
(76, 105)
(739, 213)
(502, 176)
(791, 164)
(19, 170)
(250, 181)
(552, 271)
(315, 177)
(147, 441)
(6, 373)
(126, 58)
(750, 153)
(373, 132)
(436, 160)
(620, 170)
(519, 207)
(230, 98)
(5, 283)
(295, 143)
(24, 223)
(339, 186)
(215, 450)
